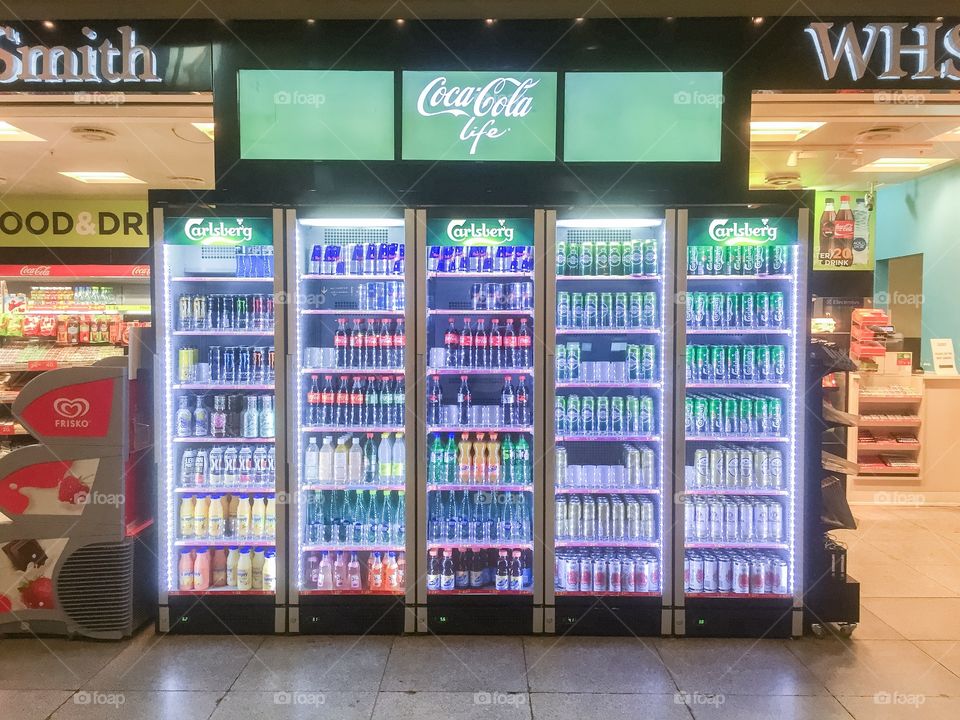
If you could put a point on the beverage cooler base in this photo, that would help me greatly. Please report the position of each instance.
(481, 615)
(609, 616)
(718, 617)
(197, 614)
(351, 615)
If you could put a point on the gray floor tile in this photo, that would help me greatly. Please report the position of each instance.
(583, 706)
(592, 664)
(52, 663)
(284, 705)
(867, 667)
(456, 664)
(482, 705)
(919, 618)
(314, 664)
(138, 705)
(754, 707)
(946, 652)
(737, 667)
(31, 704)
(902, 708)
(178, 662)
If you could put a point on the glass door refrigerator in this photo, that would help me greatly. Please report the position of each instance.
(219, 353)
(350, 434)
(480, 359)
(739, 450)
(608, 543)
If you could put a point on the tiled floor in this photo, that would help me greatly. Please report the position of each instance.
(902, 662)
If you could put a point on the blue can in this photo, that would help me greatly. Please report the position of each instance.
(229, 372)
(243, 363)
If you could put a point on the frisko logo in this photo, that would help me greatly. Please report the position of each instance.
(480, 106)
(480, 232)
(742, 232)
(71, 412)
(124, 62)
(217, 231)
(922, 49)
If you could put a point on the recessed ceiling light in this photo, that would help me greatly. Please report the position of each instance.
(895, 164)
(48, 24)
(781, 130)
(207, 128)
(109, 177)
(10, 133)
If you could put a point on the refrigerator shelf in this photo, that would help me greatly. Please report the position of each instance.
(626, 544)
(606, 593)
(354, 547)
(224, 332)
(223, 440)
(608, 331)
(738, 331)
(479, 591)
(478, 486)
(318, 487)
(435, 275)
(480, 371)
(225, 542)
(389, 593)
(738, 385)
(497, 313)
(739, 278)
(607, 438)
(528, 429)
(350, 311)
(737, 438)
(220, 279)
(352, 371)
(350, 428)
(647, 384)
(352, 276)
(226, 490)
(606, 491)
(737, 491)
(476, 545)
(218, 591)
(566, 278)
(735, 546)
(223, 387)
(738, 596)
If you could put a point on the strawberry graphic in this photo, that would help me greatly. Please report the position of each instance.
(72, 490)
(37, 594)
(5, 604)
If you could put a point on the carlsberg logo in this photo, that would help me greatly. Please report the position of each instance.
(733, 232)
(479, 106)
(207, 230)
(480, 231)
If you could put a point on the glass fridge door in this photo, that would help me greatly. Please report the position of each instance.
(480, 389)
(349, 395)
(611, 363)
(743, 372)
(218, 461)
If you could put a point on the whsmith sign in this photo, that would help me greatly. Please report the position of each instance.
(926, 50)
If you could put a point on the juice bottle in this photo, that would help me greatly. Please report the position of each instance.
(256, 569)
(201, 570)
(218, 572)
(353, 572)
(258, 512)
(479, 461)
(392, 571)
(464, 463)
(215, 524)
(233, 554)
(339, 572)
(186, 570)
(244, 570)
(243, 517)
(186, 517)
(270, 518)
(270, 571)
(326, 573)
(376, 572)
(200, 510)
(232, 510)
(401, 570)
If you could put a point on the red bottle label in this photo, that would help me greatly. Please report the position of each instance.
(326, 398)
(466, 340)
(340, 340)
(399, 341)
(523, 341)
(313, 398)
(450, 338)
(371, 341)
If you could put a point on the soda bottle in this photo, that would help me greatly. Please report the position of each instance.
(516, 572)
(843, 229)
(462, 576)
(385, 459)
(508, 407)
(523, 402)
(827, 220)
(450, 461)
(524, 345)
(433, 571)
(369, 460)
(385, 391)
(480, 348)
(466, 345)
(370, 345)
(509, 344)
(313, 402)
(342, 403)
(326, 401)
(399, 401)
(356, 402)
(522, 472)
(464, 464)
(356, 346)
(340, 342)
(493, 460)
(451, 344)
(399, 344)
(434, 402)
(463, 402)
(435, 469)
(496, 345)
(398, 460)
(372, 408)
(478, 461)
(506, 461)
(503, 579)
(385, 343)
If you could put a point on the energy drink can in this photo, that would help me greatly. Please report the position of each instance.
(563, 309)
(764, 367)
(616, 415)
(715, 310)
(647, 362)
(199, 312)
(734, 363)
(762, 309)
(778, 363)
(731, 420)
(229, 372)
(651, 264)
(775, 410)
(748, 424)
(718, 363)
(648, 316)
(184, 365)
(620, 310)
(777, 314)
(731, 310)
(576, 312)
(590, 310)
(715, 416)
(185, 314)
(635, 311)
(606, 310)
(778, 260)
(748, 312)
(601, 255)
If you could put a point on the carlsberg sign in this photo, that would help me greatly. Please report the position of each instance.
(218, 231)
(742, 231)
(479, 116)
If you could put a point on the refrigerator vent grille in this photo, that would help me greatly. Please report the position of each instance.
(347, 236)
(595, 234)
(95, 587)
(217, 252)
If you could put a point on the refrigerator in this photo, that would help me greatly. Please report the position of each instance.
(220, 350)
(480, 360)
(739, 422)
(609, 381)
(352, 430)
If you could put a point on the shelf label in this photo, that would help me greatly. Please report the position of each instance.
(491, 232)
(7, 429)
(42, 364)
(740, 232)
(230, 232)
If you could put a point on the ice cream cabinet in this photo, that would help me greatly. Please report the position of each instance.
(220, 352)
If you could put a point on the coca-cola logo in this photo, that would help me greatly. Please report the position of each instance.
(35, 270)
(140, 271)
(481, 106)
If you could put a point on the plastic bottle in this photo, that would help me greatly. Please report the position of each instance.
(218, 568)
(215, 522)
(502, 581)
(435, 402)
(398, 535)
(186, 517)
(353, 572)
(325, 581)
(311, 462)
(355, 475)
(376, 573)
(391, 572)
(447, 574)
(450, 461)
(477, 570)
(185, 570)
(463, 402)
(325, 466)
(201, 570)
(341, 462)
(433, 571)
(258, 511)
(233, 555)
(270, 518)
(435, 469)
(464, 463)
(233, 507)
(184, 421)
(385, 460)
(270, 571)
(478, 461)
(493, 460)
(508, 406)
(266, 420)
(244, 570)
(201, 419)
(369, 460)
(257, 559)
(461, 577)
(201, 508)
(243, 517)
(339, 572)
(516, 572)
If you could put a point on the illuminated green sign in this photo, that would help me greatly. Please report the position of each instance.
(480, 231)
(218, 231)
(742, 231)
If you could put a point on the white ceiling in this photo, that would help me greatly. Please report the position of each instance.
(859, 127)
(152, 140)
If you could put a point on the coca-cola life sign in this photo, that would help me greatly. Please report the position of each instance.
(479, 116)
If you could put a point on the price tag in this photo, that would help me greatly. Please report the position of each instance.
(42, 365)
(7, 429)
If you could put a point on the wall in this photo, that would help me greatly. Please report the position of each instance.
(922, 216)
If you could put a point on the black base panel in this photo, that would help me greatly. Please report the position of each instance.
(486, 615)
(832, 601)
(609, 616)
(222, 616)
(739, 618)
(351, 615)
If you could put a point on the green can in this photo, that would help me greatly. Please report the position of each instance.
(561, 255)
(761, 410)
(718, 363)
(573, 258)
(633, 363)
(606, 310)
(714, 416)
(560, 415)
(603, 415)
(576, 310)
(700, 420)
(701, 365)
(690, 362)
(616, 414)
(588, 419)
(747, 260)
(633, 415)
(587, 266)
(601, 257)
(778, 360)
(748, 423)
(730, 415)
(615, 257)
(688, 416)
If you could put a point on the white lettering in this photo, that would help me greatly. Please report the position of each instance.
(723, 230)
(202, 229)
